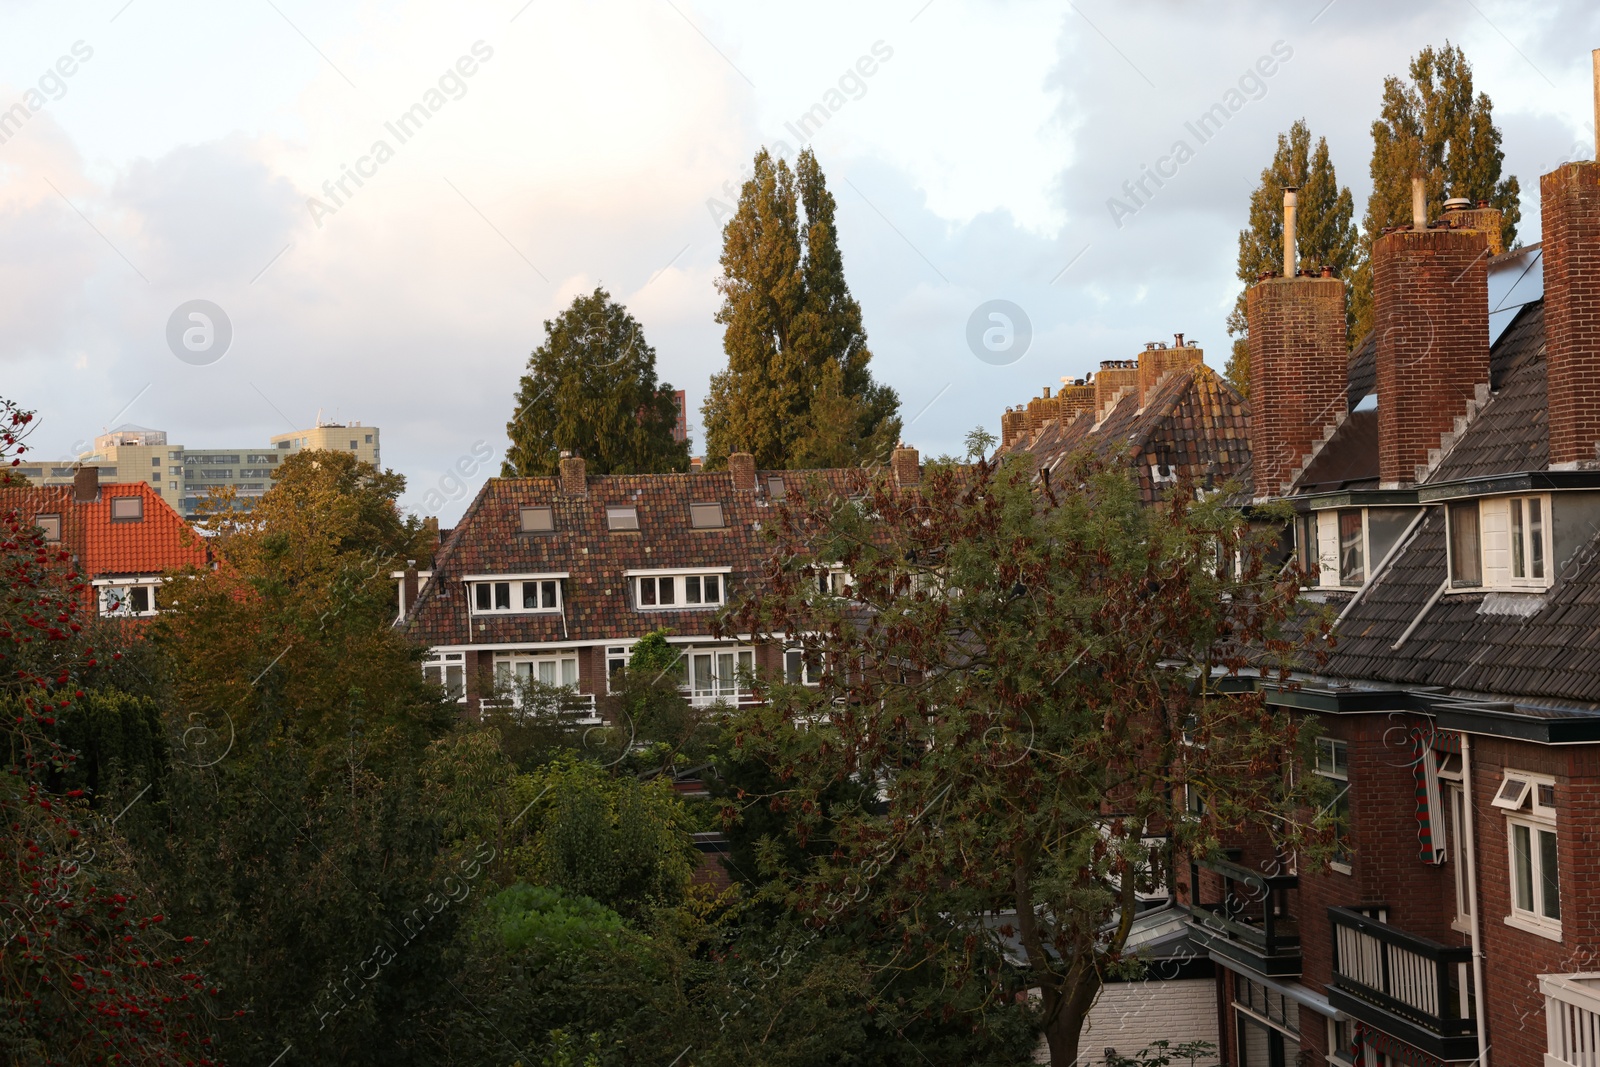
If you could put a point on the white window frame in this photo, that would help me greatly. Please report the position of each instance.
(1332, 746)
(437, 668)
(1455, 806)
(1330, 550)
(806, 674)
(114, 599)
(563, 665)
(707, 670)
(1496, 536)
(833, 581)
(651, 601)
(1521, 795)
(516, 593)
(613, 654)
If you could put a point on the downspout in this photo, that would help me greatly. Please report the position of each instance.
(1472, 894)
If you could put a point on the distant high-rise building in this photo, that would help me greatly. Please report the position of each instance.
(680, 432)
(183, 477)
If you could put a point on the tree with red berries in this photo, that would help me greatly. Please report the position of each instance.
(89, 971)
(1020, 676)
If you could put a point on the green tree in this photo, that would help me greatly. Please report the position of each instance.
(1324, 232)
(1434, 126)
(591, 389)
(1049, 706)
(797, 391)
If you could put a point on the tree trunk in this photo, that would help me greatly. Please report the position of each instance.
(1063, 1029)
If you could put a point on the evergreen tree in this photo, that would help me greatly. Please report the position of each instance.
(591, 389)
(797, 391)
(1435, 127)
(1324, 232)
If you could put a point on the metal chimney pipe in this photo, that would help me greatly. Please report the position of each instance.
(1419, 204)
(1289, 201)
(1594, 57)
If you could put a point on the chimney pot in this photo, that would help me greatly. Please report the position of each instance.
(86, 485)
(574, 475)
(1419, 204)
(1290, 210)
(742, 465)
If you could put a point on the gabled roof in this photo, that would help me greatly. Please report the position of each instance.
(1191, 424)
(158, 542)
(599, 607)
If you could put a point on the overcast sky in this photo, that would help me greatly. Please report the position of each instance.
(591, 145)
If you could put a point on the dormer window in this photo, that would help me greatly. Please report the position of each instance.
(518, 594)
(1500, 543)
(1341, 545)
(679, 589)
(1466, 552)
(124, 598)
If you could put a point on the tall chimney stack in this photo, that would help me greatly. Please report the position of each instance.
(742, 465)
(86, 485)
(1570, 218)
(574, 475)
(1299, 373)
(1594, 59)
(1430, 290)
(1290, 201)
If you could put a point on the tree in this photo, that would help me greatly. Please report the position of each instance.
(1324, 232)
(1026, 677)
(1432, 126)
(797, 391)
(591, 389)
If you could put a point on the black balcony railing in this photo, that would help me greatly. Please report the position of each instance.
(1253, 920)
(1407, 986)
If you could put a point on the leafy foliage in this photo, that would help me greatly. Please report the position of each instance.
(1324, 232)
(797, 391)
(591, 389)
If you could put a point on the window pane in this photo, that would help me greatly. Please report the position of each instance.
(647, 591)
(691, 590)
(502, 595)
(712, 585)
(1549, 875)
(1519, 568)
(775, 487)
(481, 591)
(702, 674)
(1309, 555)
(794, 667)
(1352, 557)
(453, 681)
(140, 599)
(726, 675)
(1536, 538)
(1466, 560)
(547, 672)
(705, 516)
(530, 594)
(1522, 863)
(665, 589)
(747, 660)
(569, 672)
(538, 520)
(622, 518)
(549, 589)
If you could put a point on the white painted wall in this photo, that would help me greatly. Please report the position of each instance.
(1128, 1016)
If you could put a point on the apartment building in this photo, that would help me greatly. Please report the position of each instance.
(183, 477)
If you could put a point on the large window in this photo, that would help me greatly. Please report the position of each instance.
(655, 591)
(1455, 813)
(1268, 1024)
(1527, 540)
(127, 600)
(514, 595)
(1513, 534)
(1466, 553)
(1333, 763)
(447, 669)
(718, 675)
(555, 669)
(1352, 548)
(1530, 805)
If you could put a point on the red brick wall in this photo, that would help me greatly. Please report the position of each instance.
(1431, 296)
(1298, 372)
(1515, 958)
(1570, 207)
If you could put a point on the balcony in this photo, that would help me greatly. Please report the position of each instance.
(564, 707)
(1252, 922)
(1572, 1019)
(1411, 988)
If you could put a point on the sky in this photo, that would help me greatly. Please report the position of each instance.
(168, 151)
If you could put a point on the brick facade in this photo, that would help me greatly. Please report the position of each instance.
(1298, 370)
(1431, 300)
(1570, 207)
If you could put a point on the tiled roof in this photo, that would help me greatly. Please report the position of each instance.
(1511, 434)
(1349, 459)
(599, 605)
(1192, 424)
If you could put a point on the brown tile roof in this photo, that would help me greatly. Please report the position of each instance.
(1192, 424)
(598, 602)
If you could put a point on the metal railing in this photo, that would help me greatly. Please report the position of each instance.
(1417, 979)
(1254, 913)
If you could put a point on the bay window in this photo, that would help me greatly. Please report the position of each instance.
(514, 594)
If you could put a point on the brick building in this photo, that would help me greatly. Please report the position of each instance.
(1447, 488)
(122, 538)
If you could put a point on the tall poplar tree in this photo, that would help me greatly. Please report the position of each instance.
(591, 389)
(1432, 125)
(1324, 231)
(797, 391)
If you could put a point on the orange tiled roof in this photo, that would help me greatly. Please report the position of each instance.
(160, 541)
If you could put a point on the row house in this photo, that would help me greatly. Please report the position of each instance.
(123, 538)
(554, 579)
(1446, 483)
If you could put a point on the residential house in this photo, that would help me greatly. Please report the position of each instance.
(123, 538)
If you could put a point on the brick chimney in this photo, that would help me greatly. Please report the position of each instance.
(1115, 375)
(1077, 396)
(907, 466)
(1013, 424)
(742, 465)
(408, 587)
(574, 477)
(86, 485)
(1298, 373)
(1430, 289)
(1158, 360)
(1570, 215)
(1042, 409)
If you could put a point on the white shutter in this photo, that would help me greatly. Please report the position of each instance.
(1328, 548)
(1494, 517)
